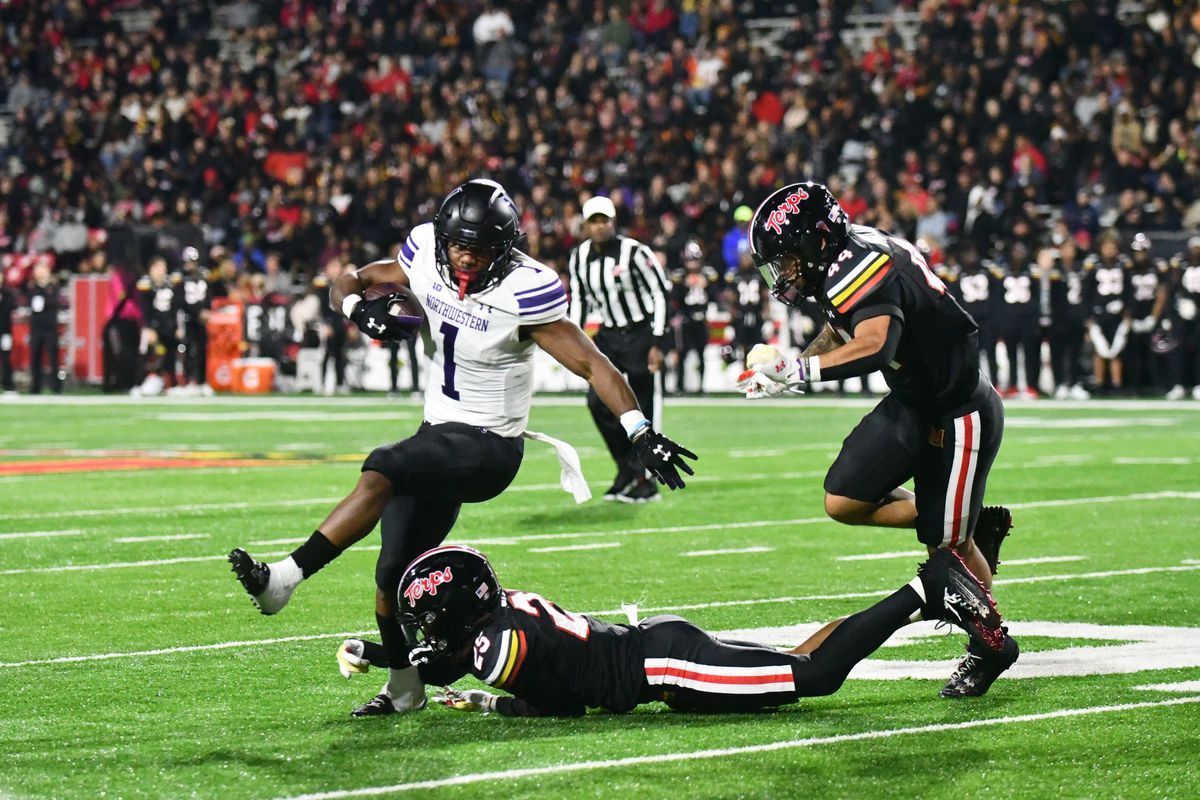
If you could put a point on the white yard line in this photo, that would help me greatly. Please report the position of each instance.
(41, 534)
(728, 551)
(767, 747)
(188, 649)
(617, 612)
(175, 537)
(571, 547)
(1182, 686)
(1016, 562)
(124, 564)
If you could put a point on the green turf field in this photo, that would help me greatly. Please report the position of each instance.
(133, 665)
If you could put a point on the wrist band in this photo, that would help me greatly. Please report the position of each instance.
(349, 302)
(633, 421)
(812, 369)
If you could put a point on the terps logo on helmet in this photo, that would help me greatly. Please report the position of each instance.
(789, 206)
(427, 585)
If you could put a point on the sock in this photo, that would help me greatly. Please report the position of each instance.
(315, 554)
(862, 634)
(918, 587)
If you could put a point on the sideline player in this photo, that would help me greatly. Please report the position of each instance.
(942, 422)
(486, 305)
(557, 663)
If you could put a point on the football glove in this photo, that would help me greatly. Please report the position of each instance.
(470, 700)
(663, 457)
(375, 319)
(351, 660)
(769, 373)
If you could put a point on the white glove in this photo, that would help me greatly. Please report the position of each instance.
(769, 373)
(350, 659)
(470, 700)
(1145, 324)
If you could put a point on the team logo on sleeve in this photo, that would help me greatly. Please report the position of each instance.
(427, 585)
(790, 205)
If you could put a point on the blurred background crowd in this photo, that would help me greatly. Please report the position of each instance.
(286, 139)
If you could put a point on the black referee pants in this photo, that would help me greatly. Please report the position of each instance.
(629, 351)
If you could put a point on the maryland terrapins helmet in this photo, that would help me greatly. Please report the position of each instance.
(801, 221)
(445, 592)
(478, 214)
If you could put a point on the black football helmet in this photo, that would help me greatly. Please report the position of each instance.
(478, 214)
(445, 593)
(801, 221)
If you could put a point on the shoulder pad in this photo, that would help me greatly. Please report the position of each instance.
(857, 273)
(320, 282)
(1091, 261)
(176, 278)
(143, 283)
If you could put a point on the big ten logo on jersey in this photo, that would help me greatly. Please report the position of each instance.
(427, 585)
(790, 205)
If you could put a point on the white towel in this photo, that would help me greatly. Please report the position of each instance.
(571, 477)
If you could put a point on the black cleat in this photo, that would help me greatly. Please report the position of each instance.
(643, 490)
(378, 706)
(979, 669)
(622, 483)
(993, 525)
(254, 575)
(956, 596)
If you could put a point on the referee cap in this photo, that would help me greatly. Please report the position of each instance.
(599, 205)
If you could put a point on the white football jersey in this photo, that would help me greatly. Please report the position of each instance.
(480, 371)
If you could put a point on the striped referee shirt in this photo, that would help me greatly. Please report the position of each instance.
(625, 284)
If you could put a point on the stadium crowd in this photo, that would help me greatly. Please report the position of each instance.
(1021, 145)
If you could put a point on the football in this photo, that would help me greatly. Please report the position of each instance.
(404, 305)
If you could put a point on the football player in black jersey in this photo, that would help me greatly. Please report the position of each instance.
(156, 293)
(941, 424)
(1019, 303)
(1147, 302)
(557, 663)
(1105, 284)
(194, 301)
(970, 282)
(1068, 321)
(1184, 316)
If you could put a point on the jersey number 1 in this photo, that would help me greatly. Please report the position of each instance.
(449, 334)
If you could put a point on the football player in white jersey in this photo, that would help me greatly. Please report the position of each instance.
(486, 305)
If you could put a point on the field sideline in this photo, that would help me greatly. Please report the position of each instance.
(134, 666)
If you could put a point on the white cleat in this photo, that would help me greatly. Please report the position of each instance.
(1177, 393)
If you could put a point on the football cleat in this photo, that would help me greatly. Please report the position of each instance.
(956, 596)
(381, 705)
(624, 481)
(979, 669)
(993, 525)
(644, 490)
(269, 589)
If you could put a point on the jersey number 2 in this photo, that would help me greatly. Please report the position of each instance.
(573, 624)
(449, 334)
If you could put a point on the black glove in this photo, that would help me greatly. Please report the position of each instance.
(662, 457)
(373, 319)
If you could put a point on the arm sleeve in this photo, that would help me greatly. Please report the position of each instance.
(651, 274)
(869, 363)
(516, 707)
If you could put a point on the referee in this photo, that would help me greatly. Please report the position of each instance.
(619, 278)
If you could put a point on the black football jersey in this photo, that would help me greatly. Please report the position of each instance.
(1068, 302)
(556, 662)
(265, 325)
(192, 295)
(44, 303)
(158, 303)
(1144, 279)
(937, 360)
(1185, 288)
(1106, 284)
(1019, 294)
